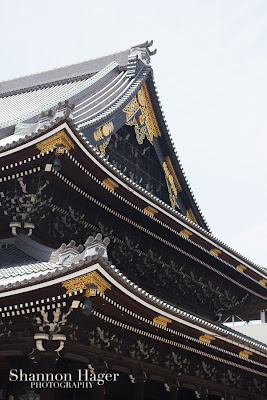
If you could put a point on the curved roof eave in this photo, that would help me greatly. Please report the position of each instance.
(101, 264)
(23, 106)
(88, 148)
(173, 152)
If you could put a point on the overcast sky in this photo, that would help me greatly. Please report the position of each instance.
(211, 74)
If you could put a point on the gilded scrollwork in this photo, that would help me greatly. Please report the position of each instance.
(145, 124)
(139, 132)
(190, 215)
(103, 131)
(102, 147)
(172, 182)
(131, 109)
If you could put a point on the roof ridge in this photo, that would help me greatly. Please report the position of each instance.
(69, 71)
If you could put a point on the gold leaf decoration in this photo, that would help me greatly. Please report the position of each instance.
(215, 252)
(186, 233)
(172, 182)
(206, 338)
(163, 321)
(80, 282)
(245, 353)
(145, 124)
(241, 267)
(103, 131)
(59, 141)
(112, 185)
(102, 147)
(150, 210)
(190, 215)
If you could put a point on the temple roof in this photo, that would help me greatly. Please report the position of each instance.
(30, 102)
(65, 74)
(100, 89)
(71, 261)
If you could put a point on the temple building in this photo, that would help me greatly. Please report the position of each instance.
(112, 285)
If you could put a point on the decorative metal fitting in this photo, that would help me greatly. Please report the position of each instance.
(90, 290)
(163, 321)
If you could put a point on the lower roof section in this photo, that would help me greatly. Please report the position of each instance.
(73, 267)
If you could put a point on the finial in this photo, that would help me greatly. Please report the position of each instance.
(146, 46)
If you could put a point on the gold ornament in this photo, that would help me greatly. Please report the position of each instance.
(140, 119)
(163, 321)
(103, 131)
(81, 282)
(59, 141)
(206, 338)
(190, 215)
(141, 98)
(241, 267)
(245, 353)
(216, 252)
(107, 128)
(150, 210)
(143, 103)
(112, 185)
(172, 182)
(186, 233)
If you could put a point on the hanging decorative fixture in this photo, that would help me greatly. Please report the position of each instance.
(87, 307)
(57, 164)
(90, 291)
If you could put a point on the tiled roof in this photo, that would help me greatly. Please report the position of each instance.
(32, 271)
(23, 106)
(97, 89)
(69, 72)
(11, 256)
(15, 266)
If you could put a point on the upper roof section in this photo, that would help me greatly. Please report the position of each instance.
(68, 73)
(107, 93)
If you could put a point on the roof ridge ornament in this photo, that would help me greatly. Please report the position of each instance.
(64, 109)
(138, 57)
(44, 119)
(67, 252)
(146, 46)
(94, 247)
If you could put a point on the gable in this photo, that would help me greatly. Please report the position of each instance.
(135, 141)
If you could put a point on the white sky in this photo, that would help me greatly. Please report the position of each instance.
(210, 71)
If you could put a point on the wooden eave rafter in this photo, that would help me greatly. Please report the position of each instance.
(126, 190)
